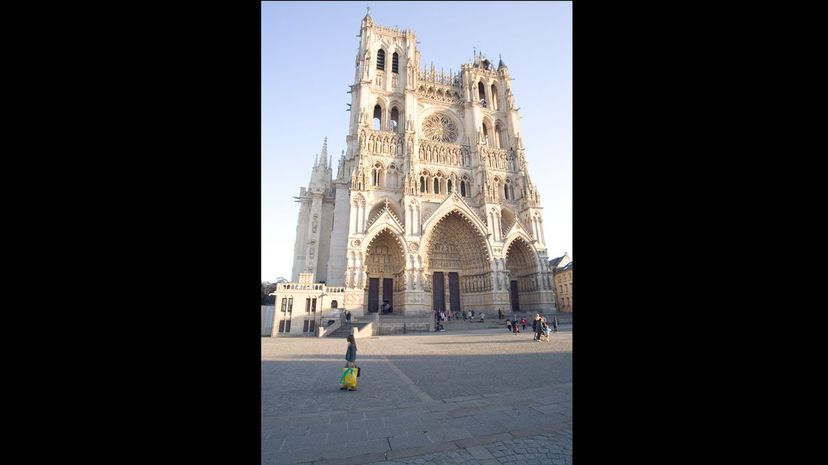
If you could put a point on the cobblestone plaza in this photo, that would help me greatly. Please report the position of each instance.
(462, 397)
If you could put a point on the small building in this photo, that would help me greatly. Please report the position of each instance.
(562, 271)
(302, 307)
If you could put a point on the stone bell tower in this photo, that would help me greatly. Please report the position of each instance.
(312, 246)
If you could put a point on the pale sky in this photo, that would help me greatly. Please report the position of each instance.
(308, 52)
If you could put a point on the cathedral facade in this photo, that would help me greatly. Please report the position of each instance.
(431, 206)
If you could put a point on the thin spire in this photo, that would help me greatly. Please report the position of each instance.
(325, 151)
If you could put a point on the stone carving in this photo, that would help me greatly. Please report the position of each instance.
(440, 127)
(356, 242)
(413, 247)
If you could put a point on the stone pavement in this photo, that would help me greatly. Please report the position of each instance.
(462, 397)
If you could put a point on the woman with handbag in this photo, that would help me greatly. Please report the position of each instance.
(350, 372)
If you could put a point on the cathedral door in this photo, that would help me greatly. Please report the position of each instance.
(388, 291)
(438, 291)
(454, 292)
(373, 295)
(513, 296)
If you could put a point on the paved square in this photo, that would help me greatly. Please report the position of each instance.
(471, 397)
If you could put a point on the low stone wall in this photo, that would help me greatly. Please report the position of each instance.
(367, 331)
(395, 327)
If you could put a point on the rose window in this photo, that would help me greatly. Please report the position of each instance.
(439, 127)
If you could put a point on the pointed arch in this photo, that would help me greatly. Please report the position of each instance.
(455, 204)
(518, 234)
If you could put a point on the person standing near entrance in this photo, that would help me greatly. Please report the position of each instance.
(348, 317)
(499, 314)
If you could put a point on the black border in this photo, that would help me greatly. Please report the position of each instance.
(152, 185)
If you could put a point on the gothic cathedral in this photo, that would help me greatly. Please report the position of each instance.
(431, 207)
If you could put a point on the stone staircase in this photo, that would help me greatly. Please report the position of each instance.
(343, 331)
(492, 322)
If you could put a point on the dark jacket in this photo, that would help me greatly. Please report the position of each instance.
(351, 354)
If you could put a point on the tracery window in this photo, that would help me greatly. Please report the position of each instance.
(439, 127)
(395, 63)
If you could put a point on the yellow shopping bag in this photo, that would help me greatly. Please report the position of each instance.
(348, 378)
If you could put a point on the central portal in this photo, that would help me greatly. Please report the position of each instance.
(458, 261)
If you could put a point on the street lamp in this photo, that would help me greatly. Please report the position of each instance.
(319, 315)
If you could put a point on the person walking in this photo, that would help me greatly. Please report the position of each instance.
(523, 323)
(482, 317)
(515, 329)
(348, 317)
(350, 362)
(508, 326)
(554, 322)
(539, 328)
(499, 314)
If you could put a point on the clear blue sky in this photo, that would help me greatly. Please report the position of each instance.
(308, 52)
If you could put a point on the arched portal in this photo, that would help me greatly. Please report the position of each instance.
(457, 264)
(523, 273)
(384, 265)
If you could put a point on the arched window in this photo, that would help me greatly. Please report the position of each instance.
(381, 59)
(448, 186)
(422, 184)
(395, 117)
(481, 93)
(374, 177)
(334, 304)
(506, 192)
(436, 185)
(395, 63)
(494, 97)
(499, 137)
(377, 117)
(462, 188)
(485, 134)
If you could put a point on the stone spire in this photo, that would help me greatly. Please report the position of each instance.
(367, 20)
(325, 152)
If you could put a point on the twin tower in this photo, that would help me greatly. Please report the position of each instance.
(431, 207)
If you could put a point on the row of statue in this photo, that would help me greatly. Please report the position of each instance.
(439, 154)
